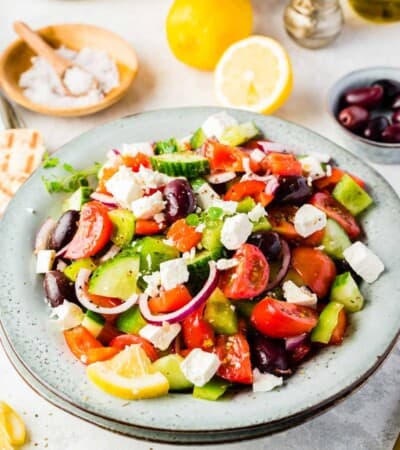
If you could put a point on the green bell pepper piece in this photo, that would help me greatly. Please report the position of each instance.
(219, 312)
(212, 390)
(327, 322)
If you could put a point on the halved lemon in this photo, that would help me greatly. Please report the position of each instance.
(254, 74)
(129, 375)
(12, 427)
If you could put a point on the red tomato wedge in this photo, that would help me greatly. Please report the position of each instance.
(145, 227)
(196, 332)
(334, 178)
(234, 352)
(121, 341)
(338, 332)
(79, 341)
(94, 232)
(316, 269)
(223, 157)
(336, 211)
(249, 278)
(100, 354)
(284, 164)
(170, 300)
(279, 319)
(184, 236)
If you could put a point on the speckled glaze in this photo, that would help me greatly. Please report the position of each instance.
(376, 152)
(37, 349)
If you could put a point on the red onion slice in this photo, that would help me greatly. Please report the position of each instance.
(43, 234)
(107, 200)
(112, 251)
(293, 342)
(220, 177)
(61, 265)
(180, 314)
(267, 146)
(81, 287)
(284, 268)
(62, 251)
(272, 185)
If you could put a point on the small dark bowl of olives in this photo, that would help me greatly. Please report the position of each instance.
(366, 106)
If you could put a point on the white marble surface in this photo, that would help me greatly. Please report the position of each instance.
(369, 419)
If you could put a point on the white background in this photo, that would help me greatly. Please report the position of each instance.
(370, 419)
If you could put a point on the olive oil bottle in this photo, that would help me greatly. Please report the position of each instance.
(380, 11)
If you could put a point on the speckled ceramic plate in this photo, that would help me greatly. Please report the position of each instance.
(39, 353)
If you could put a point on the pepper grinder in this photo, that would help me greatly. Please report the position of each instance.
(313, 23)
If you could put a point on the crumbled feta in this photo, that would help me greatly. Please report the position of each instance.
(159, 218)
(206, 196)
(138, 147)
(363, 261)
(200, 227)
(200, 366)
(69, 315)
(173, 273)
(229, 207)
(312, 166)
(257, 155)
(220, 177)
(309, 219)
(265, 382)
(235, 231)
(45, 260)
(153, 284)
(257, 213)
(299, 295)
(147, 207)
(188, 256)
(160, 336)
(123, 187)
(169, 242)
(149, 179)
(225, 264)
(328, 170)
(217, 124)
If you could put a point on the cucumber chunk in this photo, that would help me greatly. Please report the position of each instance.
(76, 200)
(220, 313)
(170, 367)
(123, 226)
(245, 205)
(198, 139)
(131, 321)
(239, 134)
(199, 268)
(153, 251)
(345, 290)
(327, 322)
(73, 269)
(349, 194)
(262, 225)
(211, 239)
(93, 322)
(212, 390)
(116, 277)
(167, 146)
(335, 240)
(186, 164)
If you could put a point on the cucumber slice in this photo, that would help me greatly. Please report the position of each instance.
(211, 239)
(93, 322)
(116, 277)
(153, 251)
(76, 200)
(212, 390)
(219, 312)
(124, 226)
(345, 290)
(73, 269)
(131, 321)
(239, 134)
(262, 225)
(335, 240)
(199, 269)
(170, 367)
(327, 322)
(348, 193)
(186, 164)
(198, 139)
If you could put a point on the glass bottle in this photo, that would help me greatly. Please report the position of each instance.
(313, 23)
(377, 10)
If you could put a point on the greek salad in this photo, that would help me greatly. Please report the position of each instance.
(205, 263)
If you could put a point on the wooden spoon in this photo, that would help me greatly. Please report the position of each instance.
(43, 49)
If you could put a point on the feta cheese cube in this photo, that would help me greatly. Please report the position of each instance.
(173, 273)
(309, 219)
(299, 295)
(221, 177)
(160, 336)
(225, 264)
(312, 166)
(147, 207)
(200, 227)
(363, 261)
(138, 147)
(228, 207)
(123, 187)
(149, 179)
(235, 231)
(153, 284)
(264, 382)
(206, 196)
(45, 260)
(200, 366)
(257, 155)
(257, 213)
(69, 315)
(217, 124)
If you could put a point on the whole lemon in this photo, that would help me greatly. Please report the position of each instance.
(199, 31)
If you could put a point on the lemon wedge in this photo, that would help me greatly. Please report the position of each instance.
(129, 375)
(254, 74)
(12, 427)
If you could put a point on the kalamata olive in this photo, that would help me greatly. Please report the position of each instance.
(396, 116)
(368, 97)
(391, 88)
(293, 190)
(269, 355)
(391, 134)
(64, 230)
(180, 199)
(396, 102)
(268, 242)
(57, 288)
(354, 118)
(375, 127)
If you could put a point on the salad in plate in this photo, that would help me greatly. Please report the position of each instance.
(203, 264)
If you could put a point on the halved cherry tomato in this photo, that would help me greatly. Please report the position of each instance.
(145, 227)
(316, 269)
(223, 157)
(284, 164)
(338, 332)
(248, 188)
(170, 300)
(336, 211)
(184, 236)
(249, 277)
(280, 319)
(334, 178)
(196, 332)
(121, 341)
(134, 162)
(80, 340)
(234, 353)
(100, 354)
(94, 231)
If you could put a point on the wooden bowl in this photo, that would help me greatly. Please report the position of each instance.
(17, 59)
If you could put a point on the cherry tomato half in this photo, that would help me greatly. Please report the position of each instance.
(197, 332)
(80, 340)
(223, 157)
